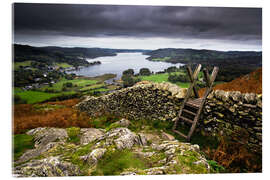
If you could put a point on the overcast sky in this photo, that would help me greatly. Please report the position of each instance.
(133, 27)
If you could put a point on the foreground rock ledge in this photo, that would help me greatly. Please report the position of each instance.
(59, 157)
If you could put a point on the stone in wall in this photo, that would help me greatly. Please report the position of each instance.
(148, 101)
(229, 113)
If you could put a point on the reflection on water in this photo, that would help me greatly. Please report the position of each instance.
(123, 61)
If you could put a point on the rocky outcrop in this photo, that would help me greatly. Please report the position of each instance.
(45, 139)
(122, 138)
(232, 113)
(148, 101)
(69, 159)
(175, 153)
(89, 135)
(47, 167)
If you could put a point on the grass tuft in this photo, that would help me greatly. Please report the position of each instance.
(73, 134)
(22, 142)
(113, 163)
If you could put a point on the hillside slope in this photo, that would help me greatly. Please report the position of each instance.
(250, 83)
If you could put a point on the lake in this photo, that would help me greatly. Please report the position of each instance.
(123, 61)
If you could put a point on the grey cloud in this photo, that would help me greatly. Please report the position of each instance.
(138, 21)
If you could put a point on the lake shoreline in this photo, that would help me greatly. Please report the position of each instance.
(121, 62)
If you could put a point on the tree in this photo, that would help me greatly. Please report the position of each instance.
(171, 69)
(129, 80)
(178, 78)
(18, 100)
(128, 72)
(68, 84)
(145, 72)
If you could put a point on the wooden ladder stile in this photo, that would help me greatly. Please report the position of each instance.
(196, 104)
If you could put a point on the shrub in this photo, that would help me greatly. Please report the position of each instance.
(68, 84)
(64, 88)
(178, 78)
(145, 72)
(26, 117)
(128, 72)
(216, 167)
(19, 100)
(128, 80)
(70, 76)
(171, 69)
(235, 156)
(49, 90)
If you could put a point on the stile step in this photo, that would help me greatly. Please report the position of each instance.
(181, 134)
(186, 119)
(190, 104)
(189, 112)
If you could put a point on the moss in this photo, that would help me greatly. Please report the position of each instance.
(83, 150)
(70, 153)
(115, 162)
(73, 134)
(192, 154)
(22, 142)
(186, 164)
(148, 149)
(153, 162)
(112, 126)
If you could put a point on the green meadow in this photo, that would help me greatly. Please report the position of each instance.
(159, 78)
(75, 82)
(38, 96)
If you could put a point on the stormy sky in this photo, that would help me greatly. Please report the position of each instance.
(133, 27)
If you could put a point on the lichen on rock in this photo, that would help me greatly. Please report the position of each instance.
(64, 158)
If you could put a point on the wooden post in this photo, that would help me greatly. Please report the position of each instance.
(192, 79)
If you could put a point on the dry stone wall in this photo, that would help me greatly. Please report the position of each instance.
(144, 101)
(227, 113)
(234, 114)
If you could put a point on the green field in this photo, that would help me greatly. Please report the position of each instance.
(24, 63)
(103, 77)
(37, 96)
(63, 65)
(95, 86)
(159, 78)
(84, 85)
(161, 59)
(75, 82)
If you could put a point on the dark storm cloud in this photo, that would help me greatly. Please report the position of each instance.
(138, 21)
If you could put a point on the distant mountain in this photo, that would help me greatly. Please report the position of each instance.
(74, 56)
(197, 56)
